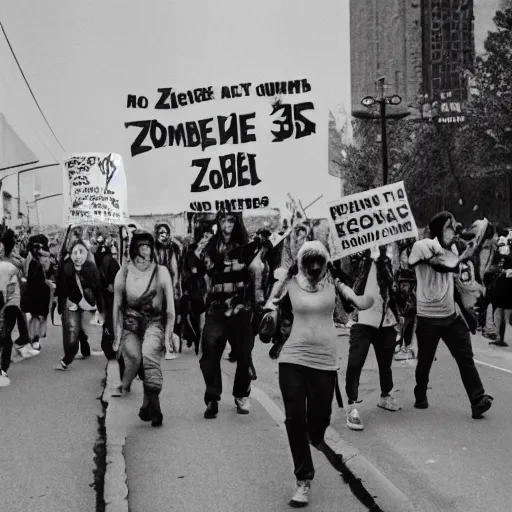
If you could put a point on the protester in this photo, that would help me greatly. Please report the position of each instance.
(229, 312)
(10, 313)
(194, 287)
(144, 321)
(375, 326)
(39, 291)
(167, 253)
(308, 362)
(501, 297)
(80, 295)
(406, 302)
(108, 268)
(438, 318)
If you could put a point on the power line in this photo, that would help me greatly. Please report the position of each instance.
(28, 85)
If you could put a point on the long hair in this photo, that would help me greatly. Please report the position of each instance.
(239, 235)
(138, 238)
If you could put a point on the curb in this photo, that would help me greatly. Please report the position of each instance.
(378, 492)
(115, 492)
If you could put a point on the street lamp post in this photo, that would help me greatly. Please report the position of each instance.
(383, 101)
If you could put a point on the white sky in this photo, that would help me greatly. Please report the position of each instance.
(83, 57)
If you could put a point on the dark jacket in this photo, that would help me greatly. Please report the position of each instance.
(91, 285)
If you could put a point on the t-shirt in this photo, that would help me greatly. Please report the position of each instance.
(373, 315)
(313, 341)
(435, 290)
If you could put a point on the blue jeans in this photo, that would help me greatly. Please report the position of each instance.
(73, 335)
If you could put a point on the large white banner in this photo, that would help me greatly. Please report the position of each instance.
(230, 147)
(95, 189)
(370, 219)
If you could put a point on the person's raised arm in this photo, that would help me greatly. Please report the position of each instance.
(360, 302)
(441, 260)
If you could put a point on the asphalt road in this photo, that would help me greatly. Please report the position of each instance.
(441, 458)
(229, 464)
(48, 428)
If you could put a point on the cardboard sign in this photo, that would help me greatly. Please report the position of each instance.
(95, 189)
(370, 219)
(228, 147)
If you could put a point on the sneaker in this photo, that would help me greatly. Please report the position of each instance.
(243, 405)
(36, 345)
(212, 409)
(354, 422)
(498, 343)
(170, 355)
(4, 380)
(300, 498)
(117, 391)
(388, 403)
(26, 351)
(60, 366)
(31, 351)
(483, 405)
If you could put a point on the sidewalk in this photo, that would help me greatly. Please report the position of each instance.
(232, 463)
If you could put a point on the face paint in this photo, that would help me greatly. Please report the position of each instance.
(79, 256)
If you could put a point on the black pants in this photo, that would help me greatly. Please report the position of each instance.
(408, 330)
(12, 315)
(307, 396)
(455, 333)
(217, 330)
(384, 342)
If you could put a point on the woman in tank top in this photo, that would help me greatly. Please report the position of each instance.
(308, 362)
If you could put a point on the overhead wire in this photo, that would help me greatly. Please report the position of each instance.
(23, 113)
(28, 85)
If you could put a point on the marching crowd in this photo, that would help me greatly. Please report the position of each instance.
(149, 292)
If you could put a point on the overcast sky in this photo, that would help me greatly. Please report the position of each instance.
(83, 57)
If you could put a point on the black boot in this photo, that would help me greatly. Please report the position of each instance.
(483, 405)
(145, 412)
(156, 414)
(212, 409)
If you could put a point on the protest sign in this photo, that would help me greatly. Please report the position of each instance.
(94, 189)
(230, 147)
(370, 219)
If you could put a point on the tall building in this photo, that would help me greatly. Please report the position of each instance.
(424, 48)
(386, 40)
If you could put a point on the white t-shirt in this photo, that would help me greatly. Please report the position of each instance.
(373, 316)
(435, 290)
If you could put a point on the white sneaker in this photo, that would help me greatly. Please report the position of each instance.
(388, 403)
(300, 498)
(4, 380)
(170, 355)
(243, 405)
(32, 351)
(26, 351)
(354, 422)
